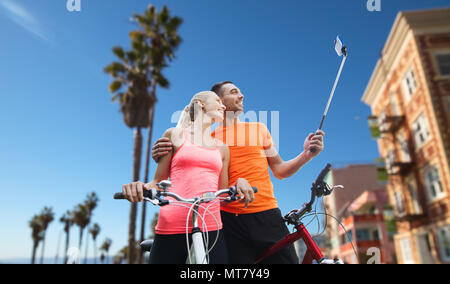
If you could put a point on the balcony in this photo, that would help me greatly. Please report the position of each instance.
(390, 124)
(384, 124)
(399, 168)
(396, 167)
(408, 216)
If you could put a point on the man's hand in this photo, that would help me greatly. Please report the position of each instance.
(245, 191)
(162, 147)
(314, 141)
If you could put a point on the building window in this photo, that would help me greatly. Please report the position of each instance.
(394, 104)
(448, 106)
(398, 199)
(443, 61)
(444, 242)
(406, 157)
(406, 251)
(367, 234)
(421, 131)
(390, 161)
(409, 83)
(413, 192)
(433, 183)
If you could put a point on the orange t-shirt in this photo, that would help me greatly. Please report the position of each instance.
(247, 142)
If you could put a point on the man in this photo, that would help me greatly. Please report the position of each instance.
(249, 230)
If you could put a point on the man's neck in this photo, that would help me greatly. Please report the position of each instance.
(230, 119)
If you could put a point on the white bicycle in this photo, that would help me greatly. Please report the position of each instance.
(197, 253)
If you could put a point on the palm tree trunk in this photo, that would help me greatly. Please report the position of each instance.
(57, 247)
(33, 254)
(43, 248)
(86, 250)
(147, 162)
(67, 246)
(137, 153)
(95, 252)
(81, 239)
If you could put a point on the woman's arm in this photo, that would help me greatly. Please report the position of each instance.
(134, 191)
(223, 179)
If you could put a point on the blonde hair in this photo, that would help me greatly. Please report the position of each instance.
(190, 112)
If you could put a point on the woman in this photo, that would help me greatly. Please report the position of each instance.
(198, 164)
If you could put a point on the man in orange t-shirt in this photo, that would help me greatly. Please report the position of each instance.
(250, 229)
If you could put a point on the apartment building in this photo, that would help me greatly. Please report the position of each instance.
(357, 180)
(409, 97)
(368, 234)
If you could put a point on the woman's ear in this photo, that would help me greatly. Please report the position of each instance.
(200, 104)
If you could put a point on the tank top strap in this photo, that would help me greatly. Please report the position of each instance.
(186, 135)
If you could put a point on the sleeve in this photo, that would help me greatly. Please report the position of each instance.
(266, 138)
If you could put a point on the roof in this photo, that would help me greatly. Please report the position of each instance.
(417, 22)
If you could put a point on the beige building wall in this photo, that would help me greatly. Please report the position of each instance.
(407, 84)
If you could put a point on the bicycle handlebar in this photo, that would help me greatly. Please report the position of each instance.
(319, 189)
(154, 194)
(322, 174)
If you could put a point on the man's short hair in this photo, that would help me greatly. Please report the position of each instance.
(216, 88)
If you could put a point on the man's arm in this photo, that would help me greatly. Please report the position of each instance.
(162, 147)
(284, 169)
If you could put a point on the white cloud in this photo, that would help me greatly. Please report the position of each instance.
(23, 18)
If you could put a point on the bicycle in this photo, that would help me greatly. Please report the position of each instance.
(313, 253)
(198, 254)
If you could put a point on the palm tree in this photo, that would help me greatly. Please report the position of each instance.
(138, 70)
(81, 219)
(91, 203)
(135, 103)
(105, 247)
(36, 234)
(46, 217)
(67, 220)
(158, 34)
(95, 230)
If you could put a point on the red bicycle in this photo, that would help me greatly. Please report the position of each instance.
(313, 253)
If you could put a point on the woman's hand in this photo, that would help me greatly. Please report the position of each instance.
(134, 192)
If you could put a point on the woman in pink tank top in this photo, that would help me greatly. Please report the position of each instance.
(197, 164)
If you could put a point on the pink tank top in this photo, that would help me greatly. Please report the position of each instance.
(194, 170)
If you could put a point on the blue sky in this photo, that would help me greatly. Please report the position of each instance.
(62, 137)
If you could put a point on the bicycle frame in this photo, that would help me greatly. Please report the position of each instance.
(312, 253)
(197, 241)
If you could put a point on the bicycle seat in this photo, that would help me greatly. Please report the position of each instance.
(146, 245)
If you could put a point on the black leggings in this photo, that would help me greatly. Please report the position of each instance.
(171, 249)
(249, 235)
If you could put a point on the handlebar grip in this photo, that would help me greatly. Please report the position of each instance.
(119, 195)
(323, 173)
